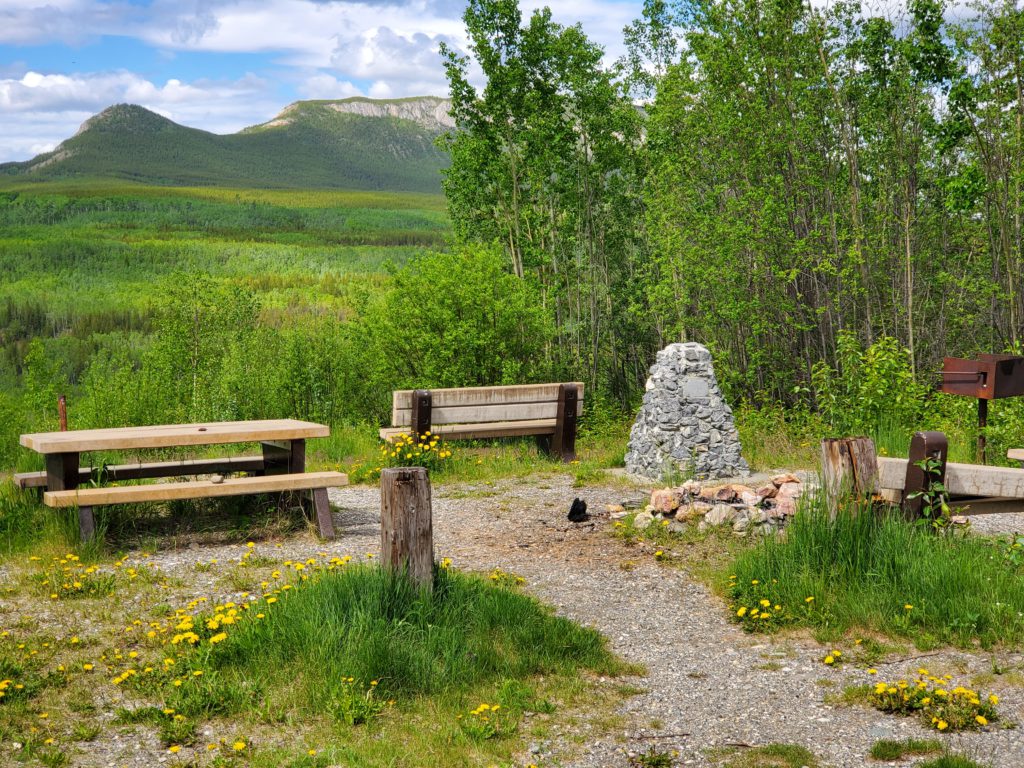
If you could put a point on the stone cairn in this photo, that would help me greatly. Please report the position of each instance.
(747, 510)
(684, 427)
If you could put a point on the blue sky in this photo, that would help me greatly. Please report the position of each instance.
(221, 65)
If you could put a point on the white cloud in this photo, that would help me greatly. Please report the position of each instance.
(324, 86)
(39, 110)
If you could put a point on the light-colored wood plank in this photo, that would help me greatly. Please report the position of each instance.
(401, 400)
(482, 431)
(142, 470)
(1015, 454)
(170, 435)
(479, 414)
(200, 489)
(961, 479)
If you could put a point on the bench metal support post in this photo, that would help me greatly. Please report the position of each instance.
(284, 458)
(421, 407)
(923, 445)
(323, 513)
(61, 471)
(563, 443)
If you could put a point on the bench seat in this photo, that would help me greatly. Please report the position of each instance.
(1015, 454)
(142, 471)
(480, 431)
(87, 498)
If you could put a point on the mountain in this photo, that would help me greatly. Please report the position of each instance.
(348, 144)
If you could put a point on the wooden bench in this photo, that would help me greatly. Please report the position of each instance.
(148, 470)
(1016, 454)
(87, 498)
(546, 411)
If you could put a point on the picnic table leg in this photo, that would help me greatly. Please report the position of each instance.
(62, 474)
(285, 457)
(323, 513)
(61, 471)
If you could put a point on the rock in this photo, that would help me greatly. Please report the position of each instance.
(785, 507)
(693, 510)
(614, 509)
(740, 526)
(666, 500)
(720, 514)
(642, 520)
(684, 424)
(767, 491)
(749, 497)
(790, 491)
(778, 480)
(676, 527)
(691, 489)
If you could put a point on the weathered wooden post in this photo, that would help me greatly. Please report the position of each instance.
(406, 523)
(924, 446)
(62, 413)
(849, 466)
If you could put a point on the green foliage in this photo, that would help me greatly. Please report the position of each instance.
(455, 319)
(878, 572)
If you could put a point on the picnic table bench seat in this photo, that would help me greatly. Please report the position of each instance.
(546, 411)
(87, 498)
(1015, 454)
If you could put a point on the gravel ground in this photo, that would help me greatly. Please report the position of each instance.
(707, 685)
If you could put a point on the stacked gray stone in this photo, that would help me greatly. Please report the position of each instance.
(685, 427)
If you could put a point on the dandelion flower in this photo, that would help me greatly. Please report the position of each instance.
(238, 746)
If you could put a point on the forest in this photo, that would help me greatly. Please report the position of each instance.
(828, 198)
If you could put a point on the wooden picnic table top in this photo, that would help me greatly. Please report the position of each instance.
(169, 435)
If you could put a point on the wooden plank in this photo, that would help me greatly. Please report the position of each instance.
(481, 414)
(170, 435)
(401, 400)
(199, 489)
(482, 431)
(961, 479)
(1015, 454)
(142, 471)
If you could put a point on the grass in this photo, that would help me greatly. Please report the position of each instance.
(768, 756)
(951, 761)
(367, 624)
(889, 749)
(333, 666)
(878, 573)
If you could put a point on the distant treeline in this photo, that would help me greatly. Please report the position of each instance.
(796, 173)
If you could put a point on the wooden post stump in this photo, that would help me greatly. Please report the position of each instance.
(406, 523)
(849, 467)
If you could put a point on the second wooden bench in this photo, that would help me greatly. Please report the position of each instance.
(547, 411)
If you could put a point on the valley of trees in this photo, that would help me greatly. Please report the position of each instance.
(831, 200)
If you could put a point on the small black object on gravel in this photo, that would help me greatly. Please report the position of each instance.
(578, 511)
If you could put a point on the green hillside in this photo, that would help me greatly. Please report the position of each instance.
(310, 145)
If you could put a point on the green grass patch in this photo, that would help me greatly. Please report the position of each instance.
(365, 624)
(952, 761)
(768, 756)
(879, 573)
(889, 749)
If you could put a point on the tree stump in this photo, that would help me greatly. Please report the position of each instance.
(406, 523)
(849, 467)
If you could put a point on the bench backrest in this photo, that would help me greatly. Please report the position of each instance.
(480, 405)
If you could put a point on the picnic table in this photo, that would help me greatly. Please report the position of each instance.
(280, 468)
